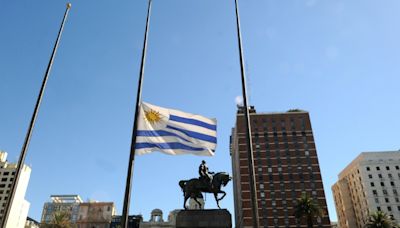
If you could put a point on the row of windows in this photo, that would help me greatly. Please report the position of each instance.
(4, 185)
(382, 184)
(7, 173)
(5, 179)
(384, 191)
(282, 122)
(387, 200)
(378, 168)
(370, 176)
(2, 191)
(389, 208)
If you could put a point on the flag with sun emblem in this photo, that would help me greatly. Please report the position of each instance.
(174, 132)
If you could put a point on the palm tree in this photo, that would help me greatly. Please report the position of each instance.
(380, 219)
(307, 208)
(60, 219)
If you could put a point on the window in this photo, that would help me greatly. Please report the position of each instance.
(376, 200)
(380, 175)
(387, 200)
(391, 183)
(6, 173)
(368, 169)
(382, 184)
(389, 208)
(384, 192)
(397, 167)
(378, 168)
(374, 192)
(390, 175)
(395, 192)
(396, 199)
(378, 208)
(387, 168)
(372, 184)
(398, 208)
(370, 176)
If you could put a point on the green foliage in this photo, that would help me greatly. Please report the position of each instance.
(380, 219)
(307, 208)
(295, 110)
(61, 219)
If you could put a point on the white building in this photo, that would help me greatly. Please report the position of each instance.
(19, 206)
(370, 183)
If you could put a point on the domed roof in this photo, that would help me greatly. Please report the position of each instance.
(156, 211)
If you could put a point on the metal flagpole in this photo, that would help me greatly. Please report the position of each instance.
(252, 178)
(22, 156)
(127, 198)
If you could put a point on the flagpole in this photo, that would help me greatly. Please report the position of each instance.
(22, 156)
(127, 198)
(250, 155)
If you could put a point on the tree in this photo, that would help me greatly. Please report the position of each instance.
(380, 219)
(61, 219)
(307, 208)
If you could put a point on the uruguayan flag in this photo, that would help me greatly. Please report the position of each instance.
(174, 132)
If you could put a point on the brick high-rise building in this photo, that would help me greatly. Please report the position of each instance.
(286, 166)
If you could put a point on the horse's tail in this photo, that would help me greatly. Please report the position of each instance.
(182, 184)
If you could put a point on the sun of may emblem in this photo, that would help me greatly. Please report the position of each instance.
(152, 116)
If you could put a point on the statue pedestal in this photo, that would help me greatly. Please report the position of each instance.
(216, 218)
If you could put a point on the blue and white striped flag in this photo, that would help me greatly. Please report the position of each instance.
(174, 132)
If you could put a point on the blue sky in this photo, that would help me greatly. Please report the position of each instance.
(337, 59)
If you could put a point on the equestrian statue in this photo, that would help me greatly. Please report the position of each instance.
(208, 182)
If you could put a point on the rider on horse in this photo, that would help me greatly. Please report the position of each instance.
(205, 174)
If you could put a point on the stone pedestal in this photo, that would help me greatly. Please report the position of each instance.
(218, 218)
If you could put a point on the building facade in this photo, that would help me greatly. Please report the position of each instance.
(370, 183)
(31, 223)
(19, 206)
(95, 214)
(286, 166)
(157, 220)
(133, 221)
(61, 204)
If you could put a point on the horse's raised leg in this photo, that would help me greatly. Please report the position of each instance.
(216, 199)
(224, 194)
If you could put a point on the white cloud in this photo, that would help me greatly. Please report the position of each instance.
(239, 100)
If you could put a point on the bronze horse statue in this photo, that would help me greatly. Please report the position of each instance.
(194, 187)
